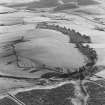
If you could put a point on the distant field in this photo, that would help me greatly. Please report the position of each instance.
(51, 3)
(87, 2)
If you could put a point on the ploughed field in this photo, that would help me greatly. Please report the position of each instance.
(58, 96)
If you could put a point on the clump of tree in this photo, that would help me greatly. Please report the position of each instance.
(75, 37)
(66, 6)
(99, 28)
(89, 52)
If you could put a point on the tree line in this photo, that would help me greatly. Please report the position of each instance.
(75, 37)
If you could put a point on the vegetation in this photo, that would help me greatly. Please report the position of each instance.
(75, 37)
(66, 6)
(89, 52)
(99, 28)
